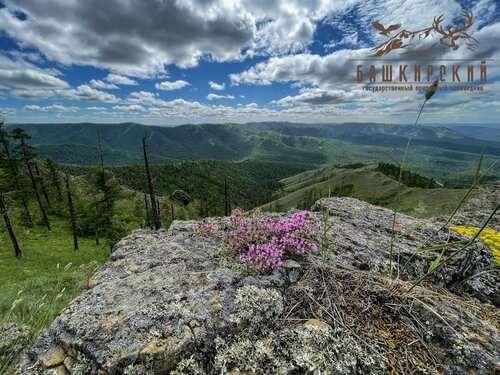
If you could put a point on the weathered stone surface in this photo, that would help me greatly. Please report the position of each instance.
(175, 302)
(361, 237)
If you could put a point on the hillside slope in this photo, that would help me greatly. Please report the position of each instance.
(364, 183)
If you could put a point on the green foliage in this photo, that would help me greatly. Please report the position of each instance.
(99, 215)
(251, 183)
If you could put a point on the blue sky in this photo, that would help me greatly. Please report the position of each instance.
(193, 61)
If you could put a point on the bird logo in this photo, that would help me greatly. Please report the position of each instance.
(383, 30)
(425, 40)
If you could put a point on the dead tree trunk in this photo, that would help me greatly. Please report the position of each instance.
(39, 177)
(54, 176)
(29, 167)
(152, 195)
(146, 206)
(226, 198)
(105, 188)
(12, 165)
(8, 224)
(71, 210)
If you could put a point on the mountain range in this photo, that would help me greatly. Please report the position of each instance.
(448, 152)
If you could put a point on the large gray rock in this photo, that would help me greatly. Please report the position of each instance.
(179, 302)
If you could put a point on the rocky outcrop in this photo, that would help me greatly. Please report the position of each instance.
(180, 302)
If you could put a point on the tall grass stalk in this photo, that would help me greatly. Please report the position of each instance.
(438, 263)
(478, 176)
(428, 95)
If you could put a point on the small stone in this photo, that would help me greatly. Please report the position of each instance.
(317, 323)
(62, 370)
(54, 357)
(68, 362)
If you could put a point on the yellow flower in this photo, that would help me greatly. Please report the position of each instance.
(489, 236)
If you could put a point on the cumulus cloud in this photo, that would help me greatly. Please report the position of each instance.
(98, 84)
(171, 85)
(120, 80)
(218, 30)
(331, 69)
(88, 94)
(130, 108)
(51, 108)
(321, 96)
(80, 93)
(216, 96)
(96, 109)
(144, 98)
(16, 73)
(217, 86)
(113, 38)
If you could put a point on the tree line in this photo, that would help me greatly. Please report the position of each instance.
(44, 190)
(410, 179)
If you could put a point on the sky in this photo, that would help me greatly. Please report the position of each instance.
(169, 62)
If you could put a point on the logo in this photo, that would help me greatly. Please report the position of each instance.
(414, 67)
(423, 41)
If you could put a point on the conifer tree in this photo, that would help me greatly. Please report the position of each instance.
(28, 153)
(11, 165)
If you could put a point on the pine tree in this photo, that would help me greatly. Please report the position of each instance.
(28, 153)
(11, 165)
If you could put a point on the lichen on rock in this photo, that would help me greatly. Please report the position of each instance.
(172, 302)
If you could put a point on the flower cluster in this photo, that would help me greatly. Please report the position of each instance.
(264, 242)
(489, 236)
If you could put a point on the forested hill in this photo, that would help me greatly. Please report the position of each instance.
(435, 151)
(236, 141)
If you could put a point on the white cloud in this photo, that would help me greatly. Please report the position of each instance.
(170, 32)
(144, 98)
(88, 94)
(51, 108)
(98, 84)
(321, 96)
(130, 108)
(120, 80)
(16, 73)
(217, 86)
(215, 96)
(96, 109)
(331, 69)
(7, 112)
(169, 85)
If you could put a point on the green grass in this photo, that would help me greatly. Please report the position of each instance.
(47, 278)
